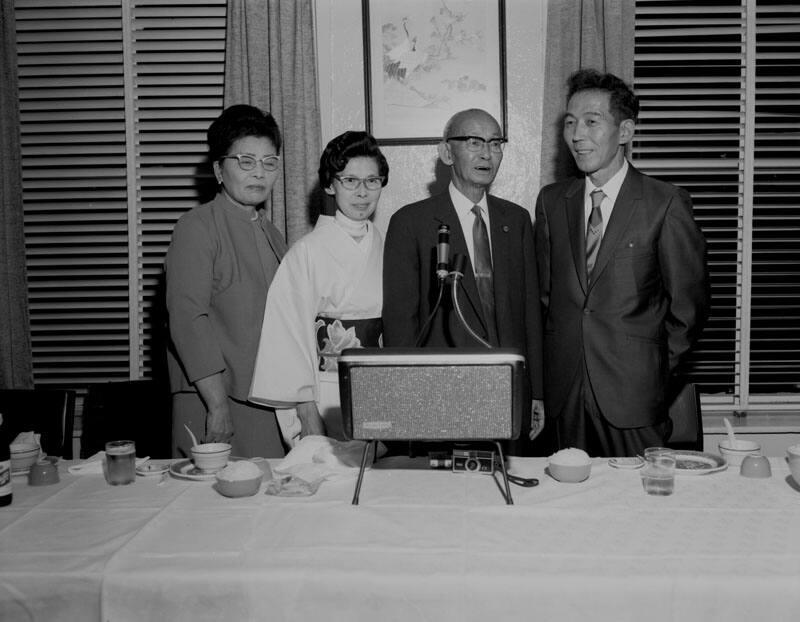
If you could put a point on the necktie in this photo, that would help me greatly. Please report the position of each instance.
(594, 232)
(483, 272)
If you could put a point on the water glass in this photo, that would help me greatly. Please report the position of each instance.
(120, 462)
(658, 472)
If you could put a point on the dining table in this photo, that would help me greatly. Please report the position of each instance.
(422, 544)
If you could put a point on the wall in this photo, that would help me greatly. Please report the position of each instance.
(341, 83)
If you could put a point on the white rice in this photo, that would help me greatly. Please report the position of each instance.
(570, 457)
(239, 470)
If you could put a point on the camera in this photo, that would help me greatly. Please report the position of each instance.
(473, 461)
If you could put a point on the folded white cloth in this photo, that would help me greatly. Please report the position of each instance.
(315, 458)
(33, 438)
(94, 464)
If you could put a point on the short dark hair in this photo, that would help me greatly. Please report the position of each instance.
(622, 102)
(239, 121)
(344, 148)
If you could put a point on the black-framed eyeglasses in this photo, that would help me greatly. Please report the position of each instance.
(248, 163)
(476, 143)
(352, 183)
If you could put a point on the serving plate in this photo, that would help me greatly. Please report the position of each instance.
(698, 463)
(185, 469)
(152, 468)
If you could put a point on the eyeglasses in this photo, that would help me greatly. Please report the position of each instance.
(352, 183)
(476, 143)
(248, 163)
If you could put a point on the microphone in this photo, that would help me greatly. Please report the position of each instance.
(443, 252)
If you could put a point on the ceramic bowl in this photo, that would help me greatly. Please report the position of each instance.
(794, 467)
(42, 473)
(239, 487)
(735, 454)
(211, 456)
(571, 473)
(23, 455)
(755, 466)
(570, 465)
(793, 452)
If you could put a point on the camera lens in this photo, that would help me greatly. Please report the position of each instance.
(472, 464)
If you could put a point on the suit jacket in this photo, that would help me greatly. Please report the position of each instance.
(410, 285)
(644, 307)
(217, 281)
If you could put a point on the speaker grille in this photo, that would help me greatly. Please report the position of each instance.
(438, 402)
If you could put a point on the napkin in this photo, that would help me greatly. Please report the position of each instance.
(315, 459)
(27, 437)
(94, 464)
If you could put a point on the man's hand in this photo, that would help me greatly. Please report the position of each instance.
(310, 419)
(537, 419)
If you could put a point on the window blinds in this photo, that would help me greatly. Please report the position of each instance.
(115, 99)
(718, 82)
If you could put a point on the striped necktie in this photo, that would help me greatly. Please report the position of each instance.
(483, 272)
(594, 232)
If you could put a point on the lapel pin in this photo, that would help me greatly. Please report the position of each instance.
(505, 228)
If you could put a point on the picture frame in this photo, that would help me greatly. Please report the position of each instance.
(424, 60)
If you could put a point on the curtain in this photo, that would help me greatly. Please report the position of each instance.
(581, 34)
(270, 63)
(16, 370)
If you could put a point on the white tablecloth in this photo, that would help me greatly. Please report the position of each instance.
(423, 545)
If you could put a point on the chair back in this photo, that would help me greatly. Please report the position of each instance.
(137, 410)
(687, 419)
(48, 412)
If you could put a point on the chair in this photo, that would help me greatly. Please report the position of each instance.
(137, 410)
(49, 412)
(687, 419)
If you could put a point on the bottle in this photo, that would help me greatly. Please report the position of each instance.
(5, 467)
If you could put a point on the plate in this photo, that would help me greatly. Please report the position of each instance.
(634, 462)
(185, 469)
(698, 463)
(152, 467)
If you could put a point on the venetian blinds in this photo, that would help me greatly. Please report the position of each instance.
(115, 98)
(719, 85)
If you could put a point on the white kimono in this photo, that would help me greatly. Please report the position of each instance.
(326, 273)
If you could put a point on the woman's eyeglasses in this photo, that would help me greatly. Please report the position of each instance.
(248, 163)
(352, 183)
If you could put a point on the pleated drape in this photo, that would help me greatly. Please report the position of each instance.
(581, 34)
(270, 63)
(15, 343)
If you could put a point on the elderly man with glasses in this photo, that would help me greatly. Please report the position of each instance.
(499, 293)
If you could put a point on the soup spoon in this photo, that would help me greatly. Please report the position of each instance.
(731, 436)
(194, 440)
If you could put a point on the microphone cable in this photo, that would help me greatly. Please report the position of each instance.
(458, 273)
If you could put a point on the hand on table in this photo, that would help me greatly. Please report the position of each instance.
(219, 428)
(310, 419)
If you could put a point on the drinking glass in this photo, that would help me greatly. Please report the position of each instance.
(120, 462)
(658, 472)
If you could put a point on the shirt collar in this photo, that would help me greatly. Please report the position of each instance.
(612, 187)
(463, 205)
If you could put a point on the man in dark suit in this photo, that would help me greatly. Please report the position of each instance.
(623, 281)
(499, 293)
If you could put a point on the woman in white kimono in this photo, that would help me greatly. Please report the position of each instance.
(326, 296)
